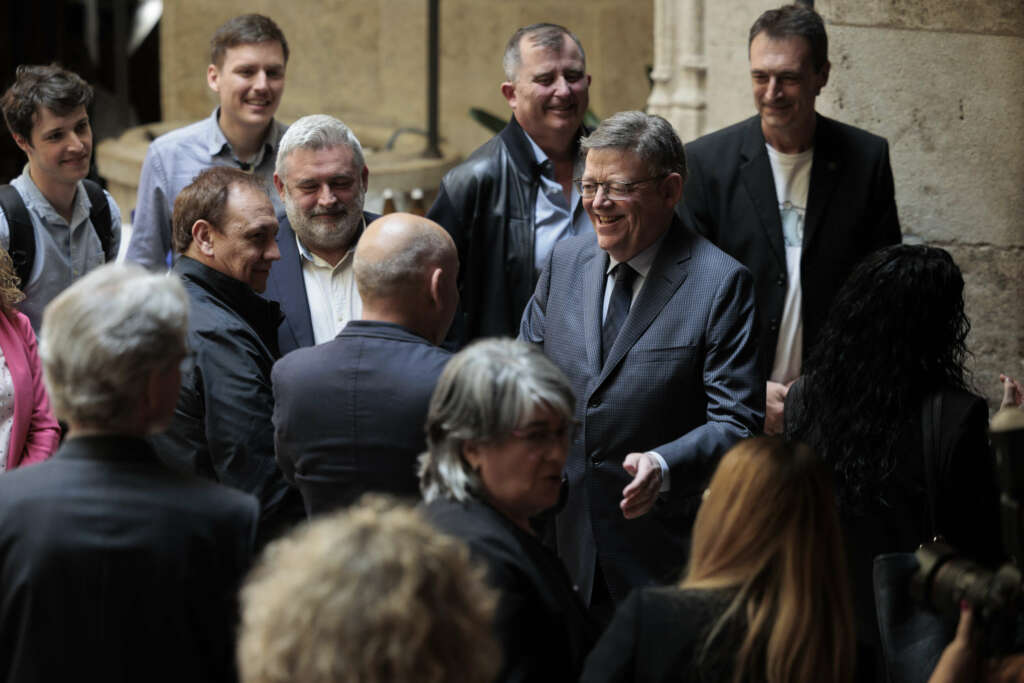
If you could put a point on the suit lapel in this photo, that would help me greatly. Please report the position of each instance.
(667, 273)
(756, 172)
(824, 174)
(288, 272)
(593, 300)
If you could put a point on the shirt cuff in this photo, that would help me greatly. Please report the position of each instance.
(666, 476)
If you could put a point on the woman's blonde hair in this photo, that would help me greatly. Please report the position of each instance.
(10, 295)
(370, 594)
(768, 528)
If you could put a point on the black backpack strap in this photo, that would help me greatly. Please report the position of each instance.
(21, 234)
(99, 214)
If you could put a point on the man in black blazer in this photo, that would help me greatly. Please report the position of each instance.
(797, 198)
(321, 177)
(661, 356)
(349, 414)
(112, 566)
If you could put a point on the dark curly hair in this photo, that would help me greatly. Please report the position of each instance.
(896, 333)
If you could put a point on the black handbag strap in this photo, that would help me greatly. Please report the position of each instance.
(931, 418)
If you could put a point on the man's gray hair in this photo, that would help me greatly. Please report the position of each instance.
(649, 136)
(103, 337)
(485, 391)
(403, 269)
(547, 36)
(318, 131)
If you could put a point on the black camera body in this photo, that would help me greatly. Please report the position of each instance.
(944, 578)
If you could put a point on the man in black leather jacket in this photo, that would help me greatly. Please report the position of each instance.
(509, 203)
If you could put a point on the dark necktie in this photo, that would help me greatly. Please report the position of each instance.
(618, 307)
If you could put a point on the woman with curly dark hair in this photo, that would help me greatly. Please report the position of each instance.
(884, 399)
(28, 430)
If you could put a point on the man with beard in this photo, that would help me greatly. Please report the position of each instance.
(321, 177)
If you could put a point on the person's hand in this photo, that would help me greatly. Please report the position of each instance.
(959, 662)
(639, 496)
(775, 403)
(1013, 392)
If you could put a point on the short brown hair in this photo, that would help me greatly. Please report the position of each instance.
(245, 29)
(37, 86)
(206, 198)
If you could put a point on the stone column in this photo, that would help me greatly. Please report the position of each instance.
(680, 66)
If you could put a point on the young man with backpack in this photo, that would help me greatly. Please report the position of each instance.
(56, 225)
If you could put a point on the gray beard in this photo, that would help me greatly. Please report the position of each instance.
(318, 236)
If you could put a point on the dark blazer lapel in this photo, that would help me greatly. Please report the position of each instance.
(824, 174)
(756, 172)
(288, 272)
(670, 268)
(593, 300)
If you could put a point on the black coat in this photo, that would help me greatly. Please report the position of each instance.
(367, 435)
(730, 198)
(659, 635)
(544, 629)
(222, 427)
(487, 205)
(114, 568)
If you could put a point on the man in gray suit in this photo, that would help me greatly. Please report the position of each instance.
(654, 326)
(349, 413)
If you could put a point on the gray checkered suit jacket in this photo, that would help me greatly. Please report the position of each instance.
(682, 379)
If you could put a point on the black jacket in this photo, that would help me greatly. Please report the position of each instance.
(659, 634)
(487, 205)
(379, 377)
(114, 568)
(544, 629)
(730, 198)
(222, 426)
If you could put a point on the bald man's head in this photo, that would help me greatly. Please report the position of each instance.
(405, 268)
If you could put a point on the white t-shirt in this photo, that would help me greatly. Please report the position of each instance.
(792, 174)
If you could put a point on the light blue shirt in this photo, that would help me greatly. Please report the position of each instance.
(554, 218)
(64, 251)
(172, 162)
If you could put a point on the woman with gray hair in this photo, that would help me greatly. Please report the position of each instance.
(498, 434)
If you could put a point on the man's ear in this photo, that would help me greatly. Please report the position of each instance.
(213, 77)
(672, 188)
(365, 176)
(435, 287)
(23, 144)
(508, 90)
(202, 236)
(823, 77)
(279, 185)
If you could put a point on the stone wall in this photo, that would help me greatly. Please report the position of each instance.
(942, 80)
(366, 61)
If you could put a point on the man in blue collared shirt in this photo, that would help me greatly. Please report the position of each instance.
(248, 55)
(45, 111)
(513, 199)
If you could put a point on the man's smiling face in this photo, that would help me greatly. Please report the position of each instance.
(250, 83)
(551, 92)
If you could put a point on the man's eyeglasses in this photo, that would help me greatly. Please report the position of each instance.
(612, 190)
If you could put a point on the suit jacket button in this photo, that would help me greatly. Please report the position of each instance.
(781, 281)
(594, 402)
(595, 460)
(773, 325)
